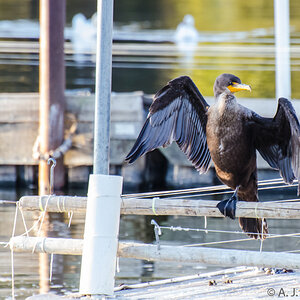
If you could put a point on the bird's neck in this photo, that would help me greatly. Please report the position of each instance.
(226, 97)
(225, 101)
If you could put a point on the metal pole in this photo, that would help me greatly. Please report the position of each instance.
(282, 43)
(103, 86)
(104, 194)
(52, 87)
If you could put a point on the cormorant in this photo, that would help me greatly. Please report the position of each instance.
(226, 133)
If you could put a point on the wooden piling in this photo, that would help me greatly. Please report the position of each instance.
(52, 86)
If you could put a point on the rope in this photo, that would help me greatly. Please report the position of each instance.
(51, 267)
(262, 234)
(15, 222)
(179, 228)
(42, 221)
(218, 242)
(205, 224)
(230, 191)
(41, 218)
(286, 200)
(12, 274)
(58, 205)
(12, 257)
(23, 219)
(269, 236)
(32, 227)
(70, 215)
(153, 205)
(211, 190)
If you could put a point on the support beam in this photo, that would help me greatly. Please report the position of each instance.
(163, 207)
(52, 87)
(214, 256)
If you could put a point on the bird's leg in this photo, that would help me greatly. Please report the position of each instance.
(227, 207)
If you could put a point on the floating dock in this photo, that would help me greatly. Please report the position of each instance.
(236, 283)
(233, 283)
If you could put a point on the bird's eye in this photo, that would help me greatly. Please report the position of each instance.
(230, 83)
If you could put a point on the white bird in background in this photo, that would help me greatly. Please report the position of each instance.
(186, 31)
(186, 38)
(84, 35)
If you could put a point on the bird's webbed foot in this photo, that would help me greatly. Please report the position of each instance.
(227, 207)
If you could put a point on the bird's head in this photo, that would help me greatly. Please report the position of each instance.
(229, 82)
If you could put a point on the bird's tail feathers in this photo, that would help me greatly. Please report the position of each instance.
(254, 228)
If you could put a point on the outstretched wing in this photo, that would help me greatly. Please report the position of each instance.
(278, 140)
(178, 113)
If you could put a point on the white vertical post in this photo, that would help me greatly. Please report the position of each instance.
(101, 235)
(104, 194)
(282, 44)
(103, 86)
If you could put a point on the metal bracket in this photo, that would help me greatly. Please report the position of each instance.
(157, 231)
(53, 161)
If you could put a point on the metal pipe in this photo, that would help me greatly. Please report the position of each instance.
(103, 86)
(282, 43)
(52, 86)
(103, 205)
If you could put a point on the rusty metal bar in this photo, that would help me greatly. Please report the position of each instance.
(52, 86)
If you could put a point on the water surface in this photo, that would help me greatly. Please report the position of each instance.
(32, 271)
(236, 37)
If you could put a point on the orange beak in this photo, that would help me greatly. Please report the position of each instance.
(236, 87)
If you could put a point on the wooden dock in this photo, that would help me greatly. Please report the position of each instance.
(236, 283)
(20, 117)
(19, 132)
(233, 283)
(19, 123)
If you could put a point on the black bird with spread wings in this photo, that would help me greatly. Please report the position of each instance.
(226, 133)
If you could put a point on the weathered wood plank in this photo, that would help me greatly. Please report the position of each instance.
(19, 127)
(214, 256)
(181, 207)
(23, 107)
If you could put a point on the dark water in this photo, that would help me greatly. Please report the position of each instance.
(214, 19)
